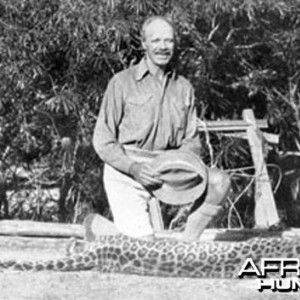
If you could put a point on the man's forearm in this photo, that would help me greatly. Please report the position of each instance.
(113, 154)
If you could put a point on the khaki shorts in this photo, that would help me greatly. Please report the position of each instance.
(128, 202)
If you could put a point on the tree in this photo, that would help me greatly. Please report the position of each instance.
(56, 58)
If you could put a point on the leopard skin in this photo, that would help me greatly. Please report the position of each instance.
(122, 254)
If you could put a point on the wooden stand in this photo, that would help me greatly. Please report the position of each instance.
(265, 209)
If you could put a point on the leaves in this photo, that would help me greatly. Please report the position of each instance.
(56, 58)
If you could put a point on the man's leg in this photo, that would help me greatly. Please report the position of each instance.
(218, 187)
(128, 201)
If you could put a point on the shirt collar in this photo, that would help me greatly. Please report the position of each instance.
(142, 70)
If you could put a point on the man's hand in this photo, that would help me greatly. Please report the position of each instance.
(145, 175)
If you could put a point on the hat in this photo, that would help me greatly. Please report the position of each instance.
(184, 177)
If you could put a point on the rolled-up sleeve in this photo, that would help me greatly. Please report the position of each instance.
(105, 139)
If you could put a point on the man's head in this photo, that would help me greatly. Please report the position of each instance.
(158, 40)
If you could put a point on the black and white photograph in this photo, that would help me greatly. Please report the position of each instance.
(149, 149)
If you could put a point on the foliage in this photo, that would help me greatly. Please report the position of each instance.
(56, 58)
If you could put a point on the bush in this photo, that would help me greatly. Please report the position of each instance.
(56, 58)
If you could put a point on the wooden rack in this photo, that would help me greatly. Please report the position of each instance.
(265, 213)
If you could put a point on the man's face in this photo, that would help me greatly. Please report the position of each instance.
(159, 42)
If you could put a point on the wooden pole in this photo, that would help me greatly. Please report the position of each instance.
(42, 229)
(265, 208)
(229, 125)
(31, 238)
(156, 215)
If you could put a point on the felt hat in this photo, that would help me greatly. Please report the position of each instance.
(184, 177)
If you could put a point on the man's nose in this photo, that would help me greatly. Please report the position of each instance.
(163, 45)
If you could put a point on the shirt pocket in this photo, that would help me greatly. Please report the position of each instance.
(179, 115)
(139, 100)
(179, 119)
(140, 110)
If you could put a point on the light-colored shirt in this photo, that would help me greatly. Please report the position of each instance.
(140, 112)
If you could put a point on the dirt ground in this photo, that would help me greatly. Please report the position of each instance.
(92, 285)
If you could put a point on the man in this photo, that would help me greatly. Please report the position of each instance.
(148, 109)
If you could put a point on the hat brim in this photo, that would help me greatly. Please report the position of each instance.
(180, 197)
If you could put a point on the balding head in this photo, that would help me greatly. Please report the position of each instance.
(159, 19)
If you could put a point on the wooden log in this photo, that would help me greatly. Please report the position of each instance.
(265, 208)
(11, 236)
(229, 125)
(230, 235)
(236, 128)
(269, 137)
(42, 229)
(25, 243)
(50, 247)
(58, 245)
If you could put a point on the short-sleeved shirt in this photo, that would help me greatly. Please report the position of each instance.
(140, 112)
